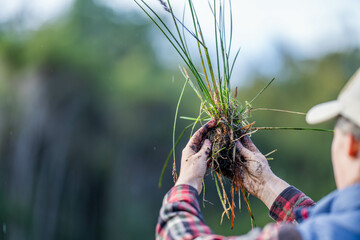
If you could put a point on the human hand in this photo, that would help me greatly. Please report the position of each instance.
(256, 175)
(194, 158)
(255, 169)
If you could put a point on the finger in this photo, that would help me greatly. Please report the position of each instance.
(244, 152)
(246, 142)
(205, 150)
(200, 135)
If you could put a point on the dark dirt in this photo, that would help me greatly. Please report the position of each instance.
(224, 161)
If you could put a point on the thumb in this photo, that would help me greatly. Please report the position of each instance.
(205, 149)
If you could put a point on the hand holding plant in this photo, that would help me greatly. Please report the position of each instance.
(194, 158)
(211, 83)
(256, 175)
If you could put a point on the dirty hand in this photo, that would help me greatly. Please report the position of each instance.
(257, 177)
(194, 158)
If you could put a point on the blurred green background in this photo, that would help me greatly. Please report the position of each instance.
(86, 115)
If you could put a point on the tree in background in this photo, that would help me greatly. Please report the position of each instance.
(86, 113)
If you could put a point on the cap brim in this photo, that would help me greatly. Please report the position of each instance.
(323, 112)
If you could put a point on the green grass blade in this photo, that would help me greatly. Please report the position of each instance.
(194, 119)
(196, 23)
(234, 61)
(175, 23)
(191, 33)
(221, 197)
(205, 93)
(247, 201)
(170, 154)
(213, 10)
(231, 27)
(175, 43)
(203, 192)
(262, 90)
(175, 120)
(161, 21)
(293, 128)
(176, 20)
(184, 37)
(277, 110)
(197, 120)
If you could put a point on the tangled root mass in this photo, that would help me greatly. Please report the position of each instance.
(225, 158)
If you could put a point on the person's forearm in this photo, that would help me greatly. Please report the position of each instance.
(180, 218)
(272, 188)
(284, 207)
(180, 215)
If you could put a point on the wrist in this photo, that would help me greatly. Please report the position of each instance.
(195, 183)
(273, 186)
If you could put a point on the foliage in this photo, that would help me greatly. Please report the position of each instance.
(214, 92)
(81, 148)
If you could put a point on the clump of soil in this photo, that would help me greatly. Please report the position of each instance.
(224, 151)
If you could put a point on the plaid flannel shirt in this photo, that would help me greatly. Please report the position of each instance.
(180, 217)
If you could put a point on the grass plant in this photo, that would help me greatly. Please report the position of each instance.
(211, 83)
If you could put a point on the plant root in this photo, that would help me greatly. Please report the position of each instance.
(226, 161)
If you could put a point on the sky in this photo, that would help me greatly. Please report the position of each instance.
(306, 28)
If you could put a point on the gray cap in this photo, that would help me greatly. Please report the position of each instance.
(347, 104)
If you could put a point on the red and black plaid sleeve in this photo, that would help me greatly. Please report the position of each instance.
(284, 205)
(180, 218)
